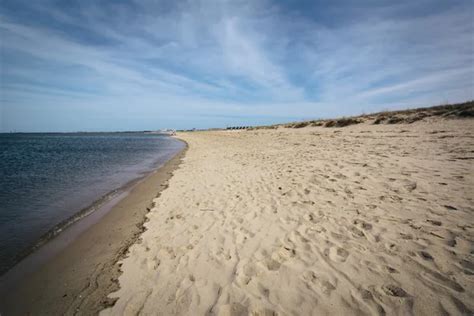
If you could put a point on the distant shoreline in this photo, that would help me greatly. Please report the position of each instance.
(85, 132)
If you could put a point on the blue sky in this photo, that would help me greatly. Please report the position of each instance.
(135, 65)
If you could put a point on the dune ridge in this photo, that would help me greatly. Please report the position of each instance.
(365, 219)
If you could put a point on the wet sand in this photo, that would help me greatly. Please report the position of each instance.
(79, 277)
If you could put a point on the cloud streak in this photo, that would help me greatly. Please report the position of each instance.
(202, 64)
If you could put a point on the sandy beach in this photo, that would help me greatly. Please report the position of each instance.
(365, 215)
(237, 158)
(363, 219)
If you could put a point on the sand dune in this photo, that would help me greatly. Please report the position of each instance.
(365, 219)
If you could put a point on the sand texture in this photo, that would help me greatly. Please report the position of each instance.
(364, 219)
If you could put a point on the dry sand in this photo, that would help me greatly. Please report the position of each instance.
(365, 219)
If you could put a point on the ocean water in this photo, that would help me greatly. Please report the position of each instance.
(47, 179)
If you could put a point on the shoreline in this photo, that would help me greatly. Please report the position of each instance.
(76, 209)
(78, 265)
(101, 205)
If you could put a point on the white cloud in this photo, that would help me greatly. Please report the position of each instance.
(246, 58)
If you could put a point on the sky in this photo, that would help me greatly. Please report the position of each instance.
(94, 65)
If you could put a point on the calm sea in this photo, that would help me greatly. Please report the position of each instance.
(46, 179)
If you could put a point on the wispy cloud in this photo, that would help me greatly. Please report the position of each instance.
(156, 64)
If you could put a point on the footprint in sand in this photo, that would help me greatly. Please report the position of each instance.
(393, 290)
(435, 223)
(234, 309)
(426, 256)
(319, 283)
(468, 267)
(284, 253)
(272, 265)
(245, 275)
(451, 208)
(362, 224)
(356, 232)
(406, 236)
(409, 186)
(366, 298)
(263, 312)
(337, 254)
